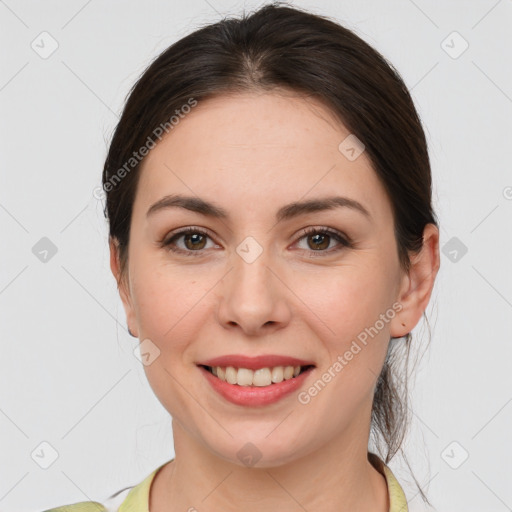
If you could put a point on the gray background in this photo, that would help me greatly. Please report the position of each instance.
(68, 375)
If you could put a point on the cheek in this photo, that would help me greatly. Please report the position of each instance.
(349, 309)
(168, 304)
(346, 299)
(166, 300)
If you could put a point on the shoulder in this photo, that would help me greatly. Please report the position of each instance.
(135, 497)
(109, 505)
(83, 506)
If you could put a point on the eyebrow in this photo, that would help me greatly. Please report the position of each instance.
(289, 211)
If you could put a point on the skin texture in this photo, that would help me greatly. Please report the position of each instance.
(251, 154)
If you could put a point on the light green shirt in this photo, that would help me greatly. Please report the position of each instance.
(136, 499)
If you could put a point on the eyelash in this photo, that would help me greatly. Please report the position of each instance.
(343, 240)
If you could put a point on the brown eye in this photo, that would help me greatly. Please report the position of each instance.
(194, 241)
(319, 240)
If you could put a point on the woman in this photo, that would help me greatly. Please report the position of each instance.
(273, 240)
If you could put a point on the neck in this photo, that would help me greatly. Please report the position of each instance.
(342, 480)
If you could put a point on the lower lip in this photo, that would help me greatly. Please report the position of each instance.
(255, 395)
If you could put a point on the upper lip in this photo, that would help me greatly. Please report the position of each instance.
(253, 363)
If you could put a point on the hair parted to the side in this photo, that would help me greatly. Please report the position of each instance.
(283, 48)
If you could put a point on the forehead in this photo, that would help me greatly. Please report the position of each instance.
(240, 149)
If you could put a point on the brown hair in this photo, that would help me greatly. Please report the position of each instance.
(282, 47)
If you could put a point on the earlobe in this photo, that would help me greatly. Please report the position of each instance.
(123, 288)
(417, 285)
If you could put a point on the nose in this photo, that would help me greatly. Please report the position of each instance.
(254, 297)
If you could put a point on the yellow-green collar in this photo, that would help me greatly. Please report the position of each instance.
(138, 498)
(397, 499)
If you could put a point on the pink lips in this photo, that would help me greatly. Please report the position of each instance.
(255, 395)
(253, 363)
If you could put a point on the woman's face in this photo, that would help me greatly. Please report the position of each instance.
(256, 283)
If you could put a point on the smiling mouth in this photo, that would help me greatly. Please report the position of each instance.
(256, 378)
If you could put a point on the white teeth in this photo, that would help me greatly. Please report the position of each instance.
(260, 377)
(277, 374)
(288, 372)
(231, 375)
(244, 377)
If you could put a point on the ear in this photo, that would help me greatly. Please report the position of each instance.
(123, 287)
(417, 284)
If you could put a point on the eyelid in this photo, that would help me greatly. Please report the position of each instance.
(184, 231)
